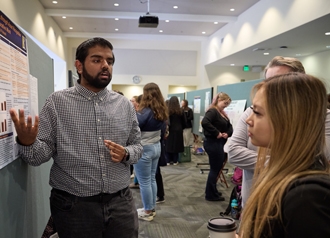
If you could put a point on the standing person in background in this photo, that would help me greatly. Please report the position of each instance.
(135, 183)
(176, 123)
(91, 157)
(161, 162)
(241, 152)
(290, 196)
(217, 128)
(187, 132)
(151, 115)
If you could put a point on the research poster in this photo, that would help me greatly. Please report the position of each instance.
(235, 110)
(14, 84)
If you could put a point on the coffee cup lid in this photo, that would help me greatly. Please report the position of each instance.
(222, 224)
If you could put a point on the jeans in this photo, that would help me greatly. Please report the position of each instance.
(145, 170)
(85, 219)
(214, 149)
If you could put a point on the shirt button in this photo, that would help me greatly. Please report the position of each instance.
(100, 138)
(96, 104)
(98, 120)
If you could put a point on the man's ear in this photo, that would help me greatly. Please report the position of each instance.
(79, 66)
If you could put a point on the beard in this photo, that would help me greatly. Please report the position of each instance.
(96, 81)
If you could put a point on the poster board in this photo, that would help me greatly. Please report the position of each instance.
(199, 100)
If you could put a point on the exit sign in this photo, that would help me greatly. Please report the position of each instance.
(246, 68)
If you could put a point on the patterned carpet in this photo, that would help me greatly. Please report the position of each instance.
(185, 213)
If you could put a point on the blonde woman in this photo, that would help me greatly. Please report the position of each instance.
(217, 128)
(291, 195)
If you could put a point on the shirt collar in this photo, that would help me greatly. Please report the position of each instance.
(90, 94)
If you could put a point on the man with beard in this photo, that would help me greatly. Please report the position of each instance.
(93, 136)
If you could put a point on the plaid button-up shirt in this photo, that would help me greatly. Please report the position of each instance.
(73, 124)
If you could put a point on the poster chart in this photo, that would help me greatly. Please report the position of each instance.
(14, 84)
(235, 110)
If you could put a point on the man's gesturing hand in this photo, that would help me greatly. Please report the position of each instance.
(26, 132)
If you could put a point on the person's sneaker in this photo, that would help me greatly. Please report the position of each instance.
(132, 175)
(160, 200)
(144, 216)
(176, 163)
(153, 211)
(168, 164)
(134, 185)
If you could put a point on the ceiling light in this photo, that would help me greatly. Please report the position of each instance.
(116, 4)
(167, 20)
(203, 32)
(175, 7)
(266, 53)
(160, 31)
(64, 17)
(328, 46)
(116, 29)
(327, 33)
(55, 2)
(116, 19)
(232, 64)
(70, 27)
(215, 22)
(232, 9)
(298, 54)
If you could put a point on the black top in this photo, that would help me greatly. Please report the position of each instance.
(213, 123)
(305, 209)
(189, 117)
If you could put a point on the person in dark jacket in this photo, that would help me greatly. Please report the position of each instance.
(177, 122)
(217, 128)
(151, 115)
(187, 131)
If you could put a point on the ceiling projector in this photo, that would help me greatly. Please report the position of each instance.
(148, 21)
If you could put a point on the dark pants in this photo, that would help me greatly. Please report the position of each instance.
(172, 157)
(110, 216)
(159, 181)
(214, 149)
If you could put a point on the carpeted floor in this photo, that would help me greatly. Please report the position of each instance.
(185, 213)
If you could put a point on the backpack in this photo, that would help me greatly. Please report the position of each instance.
(237, 176)
(235, 213)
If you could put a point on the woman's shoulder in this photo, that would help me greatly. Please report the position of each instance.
(309, 187)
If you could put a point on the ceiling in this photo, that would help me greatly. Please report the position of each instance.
(192, 17)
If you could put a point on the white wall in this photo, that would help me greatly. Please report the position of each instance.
(319, 66)
(264, 20)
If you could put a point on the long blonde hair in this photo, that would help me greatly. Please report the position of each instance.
(296, 105)
(222, 96)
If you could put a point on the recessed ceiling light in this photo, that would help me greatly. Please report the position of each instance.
(232, 64)
(116, 29)
(175, 7)
(266, 53)
(232, 9)
(298, 54)
(327, 33)
(328, 46)
(160, 31)
(203, 32)
(64, 17)
(215, 22)
(70, 27)
(116, 19)
(55, 2)
(116, 4)
(167, 20)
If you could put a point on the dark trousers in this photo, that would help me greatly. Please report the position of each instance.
(160, 185)
(172, 157)
(104, 216)
(214, 149)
